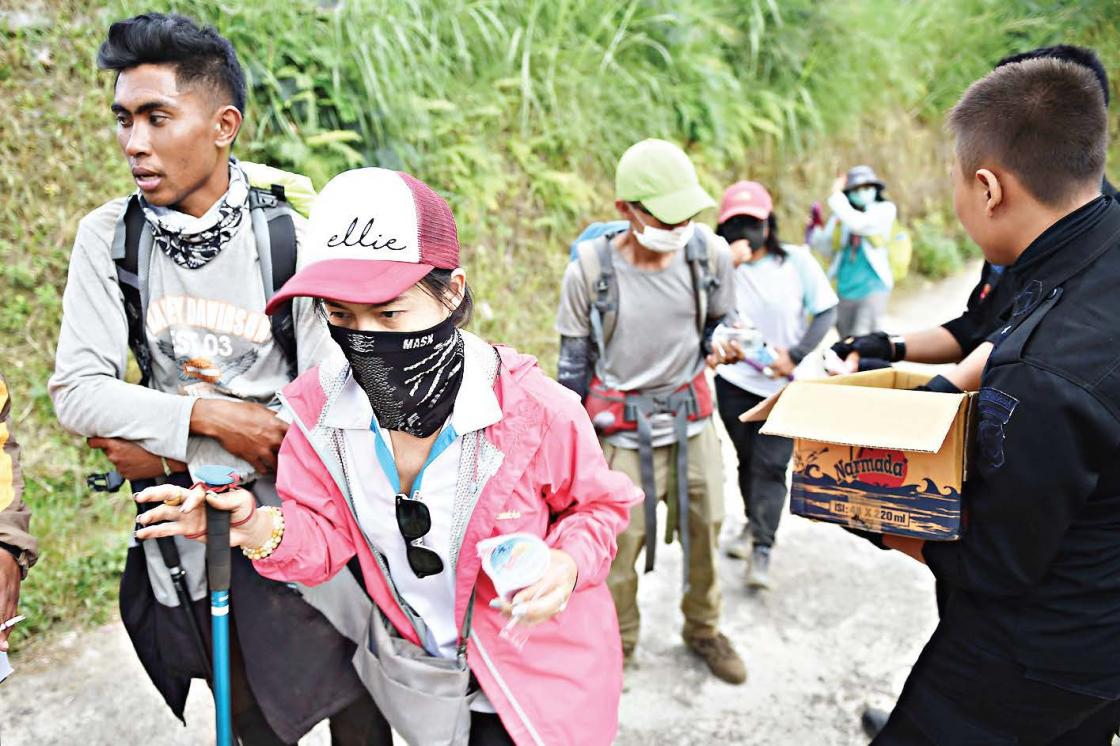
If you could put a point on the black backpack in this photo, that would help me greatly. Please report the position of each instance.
(275, 233)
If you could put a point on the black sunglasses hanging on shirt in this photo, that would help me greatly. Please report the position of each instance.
(414, 522)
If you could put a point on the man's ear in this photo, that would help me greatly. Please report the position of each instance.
(227, 123)
(992, 188)
(623, 208)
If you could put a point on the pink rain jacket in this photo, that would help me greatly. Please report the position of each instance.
(564, 686)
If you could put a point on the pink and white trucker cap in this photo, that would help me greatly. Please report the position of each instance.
(745, 198)
(373, 233)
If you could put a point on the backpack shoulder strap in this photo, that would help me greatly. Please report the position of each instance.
(597, 267)
(131, 229)
(275, 232)
(703, 281)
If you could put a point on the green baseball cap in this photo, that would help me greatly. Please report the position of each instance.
(660, 176)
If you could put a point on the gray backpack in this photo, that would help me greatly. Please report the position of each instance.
(594, 258)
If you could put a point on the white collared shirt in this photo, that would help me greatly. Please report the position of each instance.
(476, 407)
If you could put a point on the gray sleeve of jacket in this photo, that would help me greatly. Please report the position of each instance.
(813, 336)
(90, 395)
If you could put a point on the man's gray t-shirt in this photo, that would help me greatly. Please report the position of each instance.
(655, 347)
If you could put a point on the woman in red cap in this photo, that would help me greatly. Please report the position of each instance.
(413, 446)
(783, 295)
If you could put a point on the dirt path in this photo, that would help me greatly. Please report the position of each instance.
(840, 630)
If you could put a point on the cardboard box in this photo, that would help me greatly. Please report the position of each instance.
(871, 454)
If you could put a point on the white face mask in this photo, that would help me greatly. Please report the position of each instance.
(863, 196)
(664, 241)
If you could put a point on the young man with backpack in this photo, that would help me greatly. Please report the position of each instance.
(18, 549)
(180, 272)
(1027, 649)
(638, 307)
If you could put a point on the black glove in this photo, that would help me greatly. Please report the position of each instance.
(939, 385)
(875, 345)
(872, 363)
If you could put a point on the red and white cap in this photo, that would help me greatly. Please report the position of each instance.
(745, 198)
(373, 233)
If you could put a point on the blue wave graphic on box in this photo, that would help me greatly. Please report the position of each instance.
(925, 511)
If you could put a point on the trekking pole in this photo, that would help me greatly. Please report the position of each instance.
(174, 565)
(219, 478)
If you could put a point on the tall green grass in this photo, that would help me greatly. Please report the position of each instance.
(516, 110)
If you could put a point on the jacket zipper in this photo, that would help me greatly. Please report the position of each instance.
(506, 690)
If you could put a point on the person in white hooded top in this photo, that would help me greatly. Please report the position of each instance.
(856, 238)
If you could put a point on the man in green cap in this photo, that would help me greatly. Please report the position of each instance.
(637, 312)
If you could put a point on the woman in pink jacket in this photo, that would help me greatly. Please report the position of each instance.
(406, 451)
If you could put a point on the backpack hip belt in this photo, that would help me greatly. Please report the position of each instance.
(634, 410)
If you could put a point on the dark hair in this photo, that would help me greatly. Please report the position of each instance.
(437, 284)
(738, 226)
(199, 53)
(1043, 119)
(1077, 55)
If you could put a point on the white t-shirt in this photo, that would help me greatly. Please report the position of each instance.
(778, 297)
(432, 598)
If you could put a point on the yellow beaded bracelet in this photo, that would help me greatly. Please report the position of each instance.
(274, 539)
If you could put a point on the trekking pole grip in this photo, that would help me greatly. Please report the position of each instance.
(217, 548)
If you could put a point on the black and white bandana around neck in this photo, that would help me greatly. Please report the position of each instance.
(194, 242)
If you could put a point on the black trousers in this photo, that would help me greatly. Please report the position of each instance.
(763, 460)
(486, 730)
(957, 694)
(358, 724)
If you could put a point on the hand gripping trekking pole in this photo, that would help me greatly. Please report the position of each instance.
(219, 479)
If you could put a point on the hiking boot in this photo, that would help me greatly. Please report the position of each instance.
(873, 721)
(758, 577)
(720, 657)
(739, 547)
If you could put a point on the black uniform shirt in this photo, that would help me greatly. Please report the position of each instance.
(989, 306)
(990, 303)
(1036, 574)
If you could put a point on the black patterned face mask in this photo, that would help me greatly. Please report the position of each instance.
(411, 378)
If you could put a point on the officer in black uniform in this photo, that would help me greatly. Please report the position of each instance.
(1028, 646)
(988, 309)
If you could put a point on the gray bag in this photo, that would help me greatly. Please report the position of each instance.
(424, 698)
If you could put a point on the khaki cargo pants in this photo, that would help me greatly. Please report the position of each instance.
(701, 604)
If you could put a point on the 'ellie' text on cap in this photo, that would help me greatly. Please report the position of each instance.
(349, 239)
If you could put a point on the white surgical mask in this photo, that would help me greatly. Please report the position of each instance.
(664, 241)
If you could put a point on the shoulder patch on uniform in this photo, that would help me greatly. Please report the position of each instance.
(996, 408)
